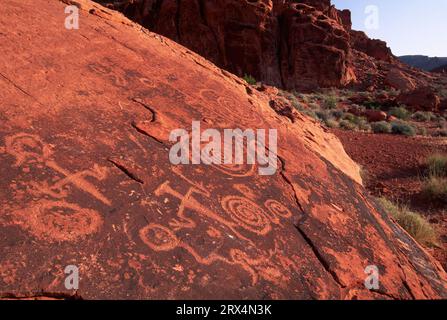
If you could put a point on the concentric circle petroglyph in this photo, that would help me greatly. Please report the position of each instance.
(158, 237)
(246, 214)
(60, 221)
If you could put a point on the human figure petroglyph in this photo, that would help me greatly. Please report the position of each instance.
(189, 202)
(27, 148)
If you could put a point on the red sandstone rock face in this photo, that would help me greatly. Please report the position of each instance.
(290, 44)
(86, 180)
(372, 47)
(420, 99)
(399, 80)
(299, 45)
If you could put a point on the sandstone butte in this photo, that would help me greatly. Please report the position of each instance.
(85, 178)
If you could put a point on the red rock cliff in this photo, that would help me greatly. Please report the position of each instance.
(290, 44)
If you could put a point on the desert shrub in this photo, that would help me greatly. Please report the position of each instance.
(435, 188)
(331, 123)
(422, 116)
(323, 115)
(437, 165)
(294, 102)
(348, 116)
(381, 127)
(347, 125)
(364, 125)
(304, 97)
(314, 105)
(373, 105)
(330, 102)
(249, 79)
(415, 224)
(403, 128)
(441, 133)
(421, 131)
(337, 113)
(400, 113)
(311, 113)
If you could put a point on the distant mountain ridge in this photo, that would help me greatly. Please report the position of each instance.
(442, 68)
(424, 62)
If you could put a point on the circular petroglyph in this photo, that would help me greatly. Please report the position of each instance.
(158, 237)
(61, 221)
(246, 214)
(147, 82)
(277, 209)
(209, 95)
(26, 147)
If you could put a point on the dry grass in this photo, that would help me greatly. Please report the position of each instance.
(415, 224)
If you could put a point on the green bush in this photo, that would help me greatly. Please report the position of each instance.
(400, 113)
(348, 116)
(250, 80)
(330, 102)
(415, 224)
(364, 125)
(403, 129)
(421, 131)
(422, 116)
(381, 127)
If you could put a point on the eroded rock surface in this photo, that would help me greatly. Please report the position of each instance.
(86, 181)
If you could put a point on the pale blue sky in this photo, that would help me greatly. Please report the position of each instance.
(408, 26)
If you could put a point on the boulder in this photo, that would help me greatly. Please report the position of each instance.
(399, 80)
(375, 115)
(420, 99)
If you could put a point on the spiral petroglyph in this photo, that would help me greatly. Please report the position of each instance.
(247, 214)
(277, 209)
